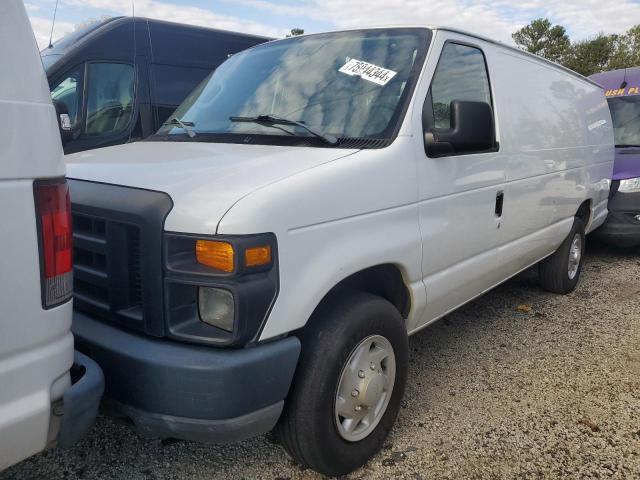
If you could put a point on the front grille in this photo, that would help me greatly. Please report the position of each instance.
(107, 269)
(135, 284)
(118, 263)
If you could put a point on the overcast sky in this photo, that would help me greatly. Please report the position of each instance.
(494, 18)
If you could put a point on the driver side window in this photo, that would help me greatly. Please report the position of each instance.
(110, 88)
(461, 75)
(68, 91)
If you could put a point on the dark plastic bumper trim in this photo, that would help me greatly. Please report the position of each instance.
(185, 390)
(229, 430)
(81, 401)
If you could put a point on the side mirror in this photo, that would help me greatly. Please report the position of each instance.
(64, 121)
(471, 130)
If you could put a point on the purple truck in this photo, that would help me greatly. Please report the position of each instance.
(622, 89)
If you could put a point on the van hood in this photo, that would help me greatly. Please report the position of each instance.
(204, 180)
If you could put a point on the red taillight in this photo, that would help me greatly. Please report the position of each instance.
(53, 213)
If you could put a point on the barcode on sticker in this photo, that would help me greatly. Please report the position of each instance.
(368, 71)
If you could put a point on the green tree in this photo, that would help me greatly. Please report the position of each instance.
(295, 32)
(592, 55)
(626, 50)
(543, 38)
(596, 54)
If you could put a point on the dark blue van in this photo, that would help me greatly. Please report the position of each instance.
(120, 79)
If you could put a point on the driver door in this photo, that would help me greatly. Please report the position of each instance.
(100, 98)
(460, 209)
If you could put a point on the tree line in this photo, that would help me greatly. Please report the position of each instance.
(592, 55)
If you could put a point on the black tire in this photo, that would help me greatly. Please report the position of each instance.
(307, 428)
(553, 271)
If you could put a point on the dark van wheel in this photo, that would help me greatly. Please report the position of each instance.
(560, 272)
(348, 385)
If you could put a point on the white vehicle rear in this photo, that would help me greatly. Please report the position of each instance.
(311, 204)
(36, 344)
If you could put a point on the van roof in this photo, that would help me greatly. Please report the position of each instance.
(614, 80)
(76, 38)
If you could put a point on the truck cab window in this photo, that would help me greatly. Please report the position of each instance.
(110, 93)
(69, 92)
(461, 74)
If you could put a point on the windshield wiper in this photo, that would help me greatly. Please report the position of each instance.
(627, 146)
(186, 126)
(272, 120)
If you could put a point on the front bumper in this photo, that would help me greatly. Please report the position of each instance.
(621, 228)
(193, 392)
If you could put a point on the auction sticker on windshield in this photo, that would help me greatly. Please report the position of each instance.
(368, 71)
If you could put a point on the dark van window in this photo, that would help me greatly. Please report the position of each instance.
(625, 113)
(171, 85)
(69, 92)
(461, 74)
(110, 91)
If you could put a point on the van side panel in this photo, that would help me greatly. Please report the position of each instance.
(36, 346)
(555, 152)
(557, 137)
(558, 142)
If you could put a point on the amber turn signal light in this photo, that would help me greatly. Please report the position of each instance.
(218, 255)
(257, 256)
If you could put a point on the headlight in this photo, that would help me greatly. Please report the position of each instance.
(219, 289)
(214, 254)
(630, 185)
(216, 308)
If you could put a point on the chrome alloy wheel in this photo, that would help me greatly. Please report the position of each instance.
(365, 388)
(575, 255)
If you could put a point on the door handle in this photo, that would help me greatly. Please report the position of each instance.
(499, 203)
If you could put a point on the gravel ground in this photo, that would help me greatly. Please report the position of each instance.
(517, 384)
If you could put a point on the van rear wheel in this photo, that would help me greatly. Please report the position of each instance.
(348, 385)
(560, 272)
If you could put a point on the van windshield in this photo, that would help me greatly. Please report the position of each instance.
(625, 113)
(347, 85)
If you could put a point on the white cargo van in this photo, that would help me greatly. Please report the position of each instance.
(260, 261)
(45, 398)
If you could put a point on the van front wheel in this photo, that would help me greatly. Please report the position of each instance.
(348, 385)
(560, 272)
